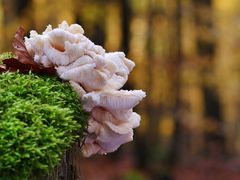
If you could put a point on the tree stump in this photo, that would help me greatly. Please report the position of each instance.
(69, 169)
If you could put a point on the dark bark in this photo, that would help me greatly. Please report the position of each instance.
(176, 65)
(69, 168)
(126, 17)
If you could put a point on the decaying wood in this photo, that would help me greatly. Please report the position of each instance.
(69, 168)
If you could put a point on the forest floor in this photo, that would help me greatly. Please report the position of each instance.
(105, 168)
(208, 169)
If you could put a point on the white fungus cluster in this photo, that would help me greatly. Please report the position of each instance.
(97, 77)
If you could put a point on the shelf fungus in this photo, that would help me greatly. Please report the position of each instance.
(97, 77)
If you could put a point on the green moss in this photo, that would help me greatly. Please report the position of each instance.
(40, 117)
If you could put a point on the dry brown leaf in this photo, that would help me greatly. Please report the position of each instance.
(24, 61)
(20, 49)
(15, 64)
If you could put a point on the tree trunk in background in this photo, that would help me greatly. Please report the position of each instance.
(126, 17)
(227, 70)
(159, 46)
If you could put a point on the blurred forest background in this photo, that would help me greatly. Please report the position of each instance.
(187, 55)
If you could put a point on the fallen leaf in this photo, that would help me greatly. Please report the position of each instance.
(23, 62)
(20, 49)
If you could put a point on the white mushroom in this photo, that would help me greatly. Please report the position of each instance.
(90, 147)
(54, 56)
(112, 100)
(88, 76)
(78, 89)
(96, 76)
(127, 115)
(107, 132)
(120, 67)
(57, 38)
(74, 51)
(103, 140)
(105, 117)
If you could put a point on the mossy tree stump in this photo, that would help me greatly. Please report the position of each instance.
(40, 118)
(69, 169)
